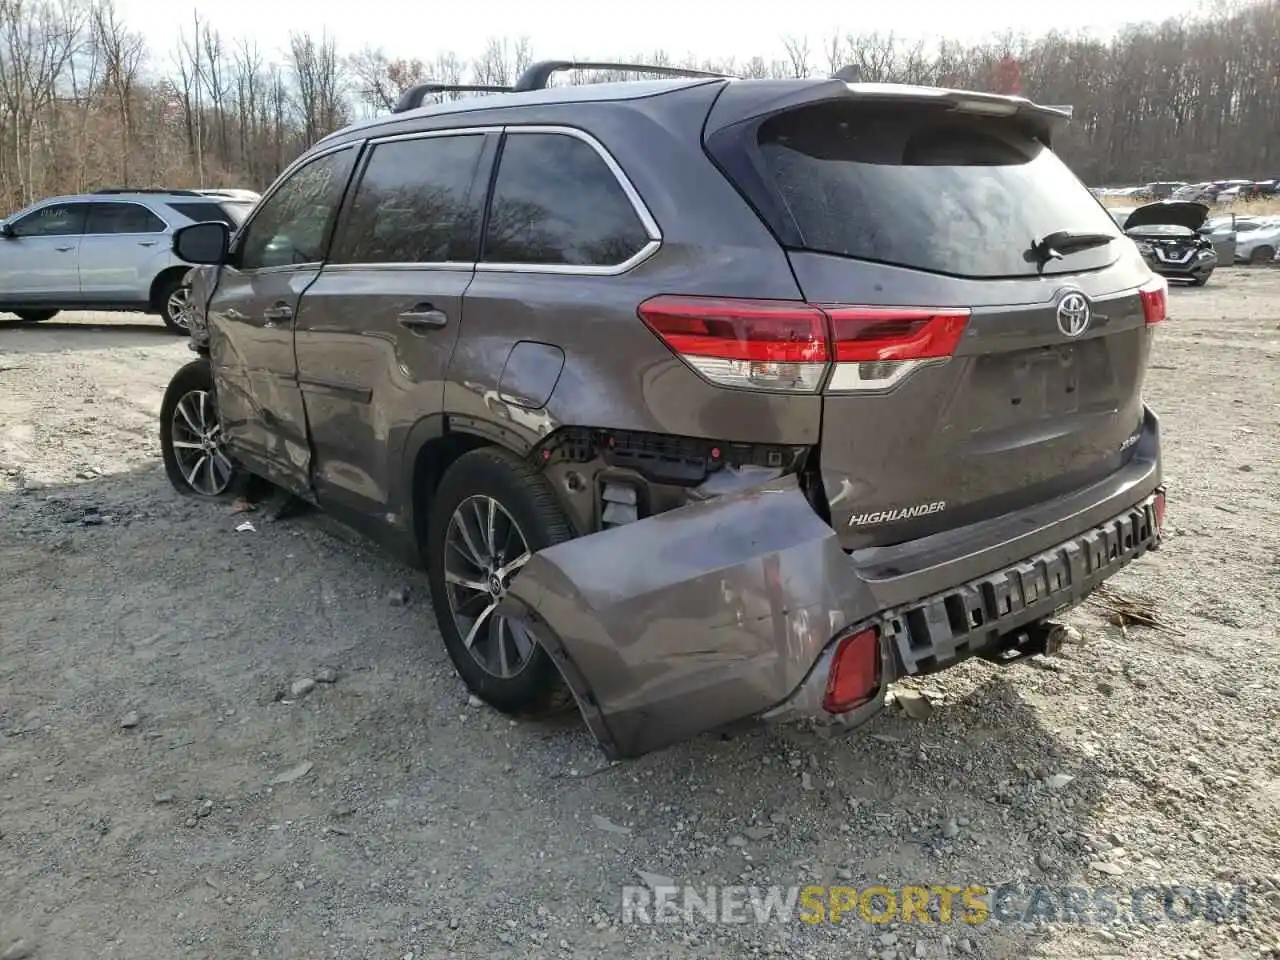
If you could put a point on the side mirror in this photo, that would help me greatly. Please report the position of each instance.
(6, 230)
(204, 244)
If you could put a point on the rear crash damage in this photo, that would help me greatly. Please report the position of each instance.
(744, 606)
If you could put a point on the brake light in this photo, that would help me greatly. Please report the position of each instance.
(1155, 299)
(762, 344)
(787, 345)
(855, 672)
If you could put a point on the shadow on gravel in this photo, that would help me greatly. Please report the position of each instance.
(151, 728)
(54, 336)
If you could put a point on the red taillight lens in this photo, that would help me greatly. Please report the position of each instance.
(855, 672)
(760, 344)
(879, 334)
(1155, 299)
(1159, 511)
(786, 345)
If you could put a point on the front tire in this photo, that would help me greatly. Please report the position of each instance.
(1201, 280)
(35, 316)
(191, 441)
(492, 512)
(176, 305)
(1260, 256)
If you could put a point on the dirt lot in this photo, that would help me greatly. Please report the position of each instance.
(164, 794)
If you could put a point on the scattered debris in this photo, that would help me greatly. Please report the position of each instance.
(398, 597)
(1058, 781)
(163, 798)
(130, 720)
(246, 526)
(1121, 610)
(474, 701)
(301, 687)
(243, 505)
(914, 704)
(326, 675)
(608, 826)
(293, 773)
(655, 880)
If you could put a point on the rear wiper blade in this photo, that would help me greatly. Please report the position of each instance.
(1054, 245)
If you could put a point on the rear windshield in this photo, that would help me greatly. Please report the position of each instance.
(923, 188)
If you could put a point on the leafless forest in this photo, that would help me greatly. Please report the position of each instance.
(85, 103)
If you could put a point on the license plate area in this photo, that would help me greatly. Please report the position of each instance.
(1024, 386)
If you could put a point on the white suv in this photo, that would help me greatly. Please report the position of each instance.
(109, 250)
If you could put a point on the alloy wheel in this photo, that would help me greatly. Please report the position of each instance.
(198, 444)
(483, 549)
(180, 307)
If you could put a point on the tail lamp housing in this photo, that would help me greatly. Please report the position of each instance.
(789, 346)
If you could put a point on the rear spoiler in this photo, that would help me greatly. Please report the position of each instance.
(741, 103)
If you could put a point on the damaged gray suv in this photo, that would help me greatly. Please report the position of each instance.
(700, 399)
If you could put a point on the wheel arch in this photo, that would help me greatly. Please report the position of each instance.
(162, 279)
(432, 446)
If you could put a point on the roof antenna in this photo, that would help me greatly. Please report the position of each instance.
(852, 73)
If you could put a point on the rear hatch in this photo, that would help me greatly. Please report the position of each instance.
(978, 369)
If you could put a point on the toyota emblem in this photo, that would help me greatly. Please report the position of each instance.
(1073, 314)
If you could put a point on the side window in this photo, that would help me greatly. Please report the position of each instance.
(55, 220)
(122, 218)
(556, 201)
(291, 225)
(414, 204)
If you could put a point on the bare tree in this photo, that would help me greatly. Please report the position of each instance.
(121, 52)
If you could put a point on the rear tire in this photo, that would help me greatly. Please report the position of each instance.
(195, 458)
(527, 519)
(35, 316)
(1260, 256)
(174, 300)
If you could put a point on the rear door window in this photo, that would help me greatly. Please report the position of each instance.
(120, 217)
(415, 204)
(918, 187)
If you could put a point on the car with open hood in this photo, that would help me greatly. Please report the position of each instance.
(699, 399)
(1168, 235)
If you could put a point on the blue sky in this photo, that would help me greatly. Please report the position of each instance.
(585, 28)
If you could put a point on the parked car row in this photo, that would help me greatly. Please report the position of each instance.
(1208, 191)
(108, 250)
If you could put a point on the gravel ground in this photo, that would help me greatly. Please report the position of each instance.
(169, 790)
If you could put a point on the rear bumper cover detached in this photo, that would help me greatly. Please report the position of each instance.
(730, 609)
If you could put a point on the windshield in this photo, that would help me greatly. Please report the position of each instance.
(918, 187)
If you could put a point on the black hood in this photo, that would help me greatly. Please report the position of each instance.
(1181, 213)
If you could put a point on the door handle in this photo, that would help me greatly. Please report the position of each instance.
(146, 243)
(63, 249)
(279, 312)
(421, 318)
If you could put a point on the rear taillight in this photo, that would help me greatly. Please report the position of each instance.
(855, 672)
(1159, 511)
(787, 345)
(760, 344)
(875, 347)
(1155, 299)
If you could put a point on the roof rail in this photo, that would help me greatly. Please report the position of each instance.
(539, 74)
(176, 193)
(412, 98)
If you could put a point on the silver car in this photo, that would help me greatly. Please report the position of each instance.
(110, 250)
